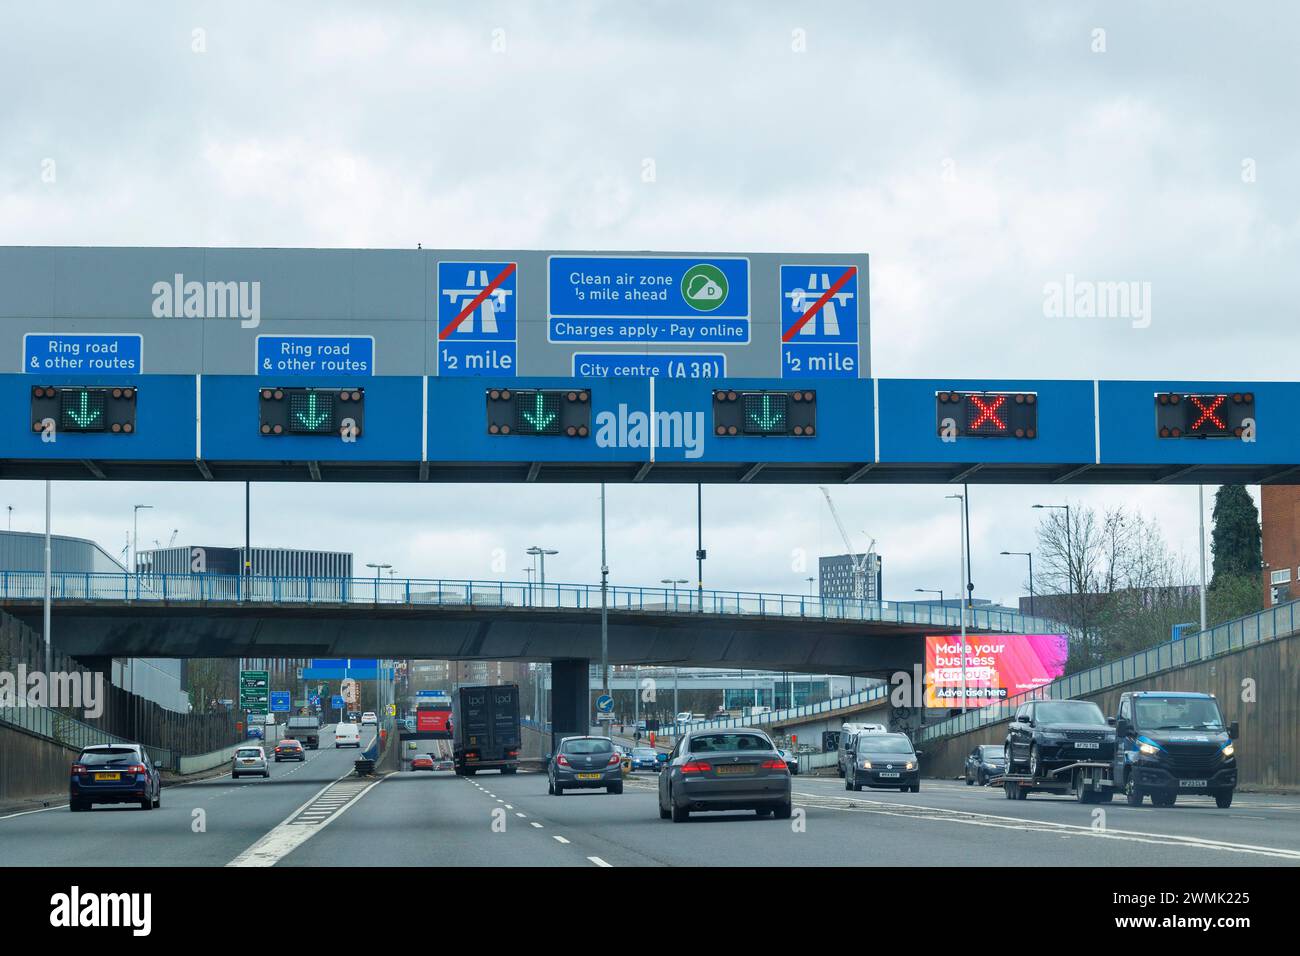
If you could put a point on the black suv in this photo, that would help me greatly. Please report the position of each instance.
(1046, 735)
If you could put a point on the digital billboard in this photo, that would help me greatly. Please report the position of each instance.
(998, 666)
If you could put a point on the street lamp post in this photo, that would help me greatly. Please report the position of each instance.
(811, 579)
(378, 568)
(541, 554)
(135, 532)
(961, 502)
(1030, 556)
(674, 582)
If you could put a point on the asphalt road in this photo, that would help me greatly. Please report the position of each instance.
(204, 823)
(301, 817)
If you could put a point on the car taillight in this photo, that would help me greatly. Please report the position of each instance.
(696, 766)
(776, 763)
(78, 768)
(512, 753)
(614, 759)
(135, 768)
(562, 760)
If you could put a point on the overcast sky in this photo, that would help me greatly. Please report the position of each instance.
(977, 152)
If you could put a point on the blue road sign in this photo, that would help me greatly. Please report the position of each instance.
(292, 355)
(314, 700)
(819, 321)
(74, 352)
(280, 701)
(337, 701)
(671, 300)
(605, 704)
(655, 365)
(478, 326)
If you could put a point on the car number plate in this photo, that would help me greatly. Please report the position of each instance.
(248, 760)
(736, 769)
(1192, 783)
(588, 776)
(887, 774)
(1081, 745)
(108, 776)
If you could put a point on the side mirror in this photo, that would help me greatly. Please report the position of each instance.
(1111, 721)
(1122, 726)
(1234, 730)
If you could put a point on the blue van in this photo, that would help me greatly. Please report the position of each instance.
(1173, 742)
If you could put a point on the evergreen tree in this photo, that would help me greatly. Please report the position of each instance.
(1236, 538)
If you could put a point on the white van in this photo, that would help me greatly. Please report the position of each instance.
(848, 736)
(347, 735)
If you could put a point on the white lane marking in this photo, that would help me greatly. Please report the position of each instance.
(522, 816)
(598, 861)
(535, 824)
(286, 836)
(970, 818)
(509, 807)
(559, 839)
(23, 813)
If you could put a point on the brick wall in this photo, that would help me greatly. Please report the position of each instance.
(1280, 525)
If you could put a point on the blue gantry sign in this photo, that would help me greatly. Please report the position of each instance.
(82, 353)
(478, 318)
(600, 365)
(297, 355)
(819, 321)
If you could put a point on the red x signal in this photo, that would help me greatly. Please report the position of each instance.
(1208, 411)
(988, 412)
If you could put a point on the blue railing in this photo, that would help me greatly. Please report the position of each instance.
(1266, 625)
(180, 588)
(785, 714)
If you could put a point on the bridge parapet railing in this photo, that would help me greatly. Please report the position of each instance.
(109, 586)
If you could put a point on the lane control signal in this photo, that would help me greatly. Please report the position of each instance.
(77, 408)
(560, 412)
(987, 414)
(1204, 414)
(339, 412)
(738, 413)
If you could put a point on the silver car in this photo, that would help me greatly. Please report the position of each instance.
(585, 763)
(249, 761)
(733, 769)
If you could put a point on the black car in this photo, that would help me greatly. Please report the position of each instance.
(883, 760)
(114, 773)
(1047, 735)
(984, 762)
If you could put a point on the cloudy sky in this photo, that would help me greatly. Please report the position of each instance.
(977, 153)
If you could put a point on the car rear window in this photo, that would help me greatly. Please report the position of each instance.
(588, 747)
(249, 752)
(707, 743)
(100, 758)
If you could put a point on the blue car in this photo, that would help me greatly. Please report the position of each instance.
(114, 773)
(645, 758)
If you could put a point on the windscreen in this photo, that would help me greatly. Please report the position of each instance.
(600, 746)
(708, 743)
(884, 744)
(102, 758)
(991, 752)
(1178, 713)
(249, 752)
(1069, 712)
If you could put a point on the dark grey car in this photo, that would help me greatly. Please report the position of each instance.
(884, 760)
(724, 770)
(585, 763)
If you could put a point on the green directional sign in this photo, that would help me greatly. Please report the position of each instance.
(765, 414)
(255, 691)
(311, 412)
(538, 413)
(81, 410)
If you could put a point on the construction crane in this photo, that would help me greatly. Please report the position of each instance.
(859, 561)
(171, 543)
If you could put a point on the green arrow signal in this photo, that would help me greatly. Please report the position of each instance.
(84, 416)
(769, 419)
(539, 418)
(311, 418)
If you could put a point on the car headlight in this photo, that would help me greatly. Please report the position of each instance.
(1149, 749)
(866, 765)
(909, 765)
(1229, 750)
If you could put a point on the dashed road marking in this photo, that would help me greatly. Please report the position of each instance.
(559, 839)
(598, 861)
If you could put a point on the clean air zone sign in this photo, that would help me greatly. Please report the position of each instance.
(665, 300)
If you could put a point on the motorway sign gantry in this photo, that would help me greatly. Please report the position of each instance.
(254, 691)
